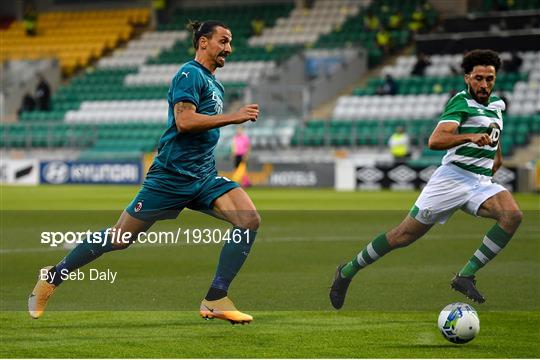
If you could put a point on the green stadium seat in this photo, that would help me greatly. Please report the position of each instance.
(341, 133)
(414, 85)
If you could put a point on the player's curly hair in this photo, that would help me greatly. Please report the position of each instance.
(205, 28)
(480, 57)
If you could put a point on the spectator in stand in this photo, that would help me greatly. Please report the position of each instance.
(399, 144)
(437, 88)
(384, 40)
(418, 20)
(456, 68)
(395, 22)
(422, 62)
(504, 5)
(308, 4)
(30, 18)
(257, 26)
(371, 21)
(159, 13)
(28, 104)
(385, 9)
(513, 65)
(389, 87)
(43, 95)
(533, 23)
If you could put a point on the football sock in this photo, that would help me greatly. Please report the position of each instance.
(374, 250)
(81, 255)
(215, 294)
(232, 257)
(494, 241)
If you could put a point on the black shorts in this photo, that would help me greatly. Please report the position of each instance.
(237, 160)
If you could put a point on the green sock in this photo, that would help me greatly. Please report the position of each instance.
(494, 241)
(374, 250)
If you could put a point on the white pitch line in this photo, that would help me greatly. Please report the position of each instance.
(29, 250)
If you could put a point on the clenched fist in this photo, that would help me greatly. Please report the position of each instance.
(247, 112)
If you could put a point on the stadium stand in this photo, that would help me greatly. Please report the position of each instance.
(369, 119)
(125, 93)
(503, 5)
(139, 51)
(75, 38)
(354, 30)
(304, 26)
(239, 19)
(119, 106)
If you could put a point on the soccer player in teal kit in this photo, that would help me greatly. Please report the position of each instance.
(182, 175)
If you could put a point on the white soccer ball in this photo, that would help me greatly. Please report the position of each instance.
(459, 323)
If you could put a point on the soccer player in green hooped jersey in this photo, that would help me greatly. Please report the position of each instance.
(182, 175)
(469, 129)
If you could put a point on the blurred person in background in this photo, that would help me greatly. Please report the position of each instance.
(504, 5)
(43, 94)
(159, 13)
(422, 62)
(399, 144)
(308, 4)
(383, 38)
(395, 22)
(371, 21)
(240, 150)
(30, 19)
(389, 87)
(257, 26)
(418, 20)
(513, 65)
(28, 104)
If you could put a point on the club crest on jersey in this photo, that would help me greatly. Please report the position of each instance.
(426, 214)
(218, 107)
(138, 206)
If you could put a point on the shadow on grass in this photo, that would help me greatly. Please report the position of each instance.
(435, 346)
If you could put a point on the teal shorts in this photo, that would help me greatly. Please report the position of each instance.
(164, 195)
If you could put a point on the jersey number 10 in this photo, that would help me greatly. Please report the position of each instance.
(495, 134)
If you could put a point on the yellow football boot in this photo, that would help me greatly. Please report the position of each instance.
(223, 309)
(37, 301)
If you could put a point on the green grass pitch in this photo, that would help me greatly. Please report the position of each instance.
(152, 308)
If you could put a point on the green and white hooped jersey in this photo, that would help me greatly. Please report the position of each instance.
(474, 117)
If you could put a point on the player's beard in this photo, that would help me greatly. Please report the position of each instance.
(218, 62)
(475, 96)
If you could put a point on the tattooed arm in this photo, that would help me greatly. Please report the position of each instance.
(188, 120)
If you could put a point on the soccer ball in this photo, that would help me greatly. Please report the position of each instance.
(459, 323)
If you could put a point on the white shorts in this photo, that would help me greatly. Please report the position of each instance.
(451, 188)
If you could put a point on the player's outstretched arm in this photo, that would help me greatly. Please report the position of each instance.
(444, 137)
(188, 120)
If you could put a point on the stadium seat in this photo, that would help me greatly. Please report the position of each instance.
(75, 38)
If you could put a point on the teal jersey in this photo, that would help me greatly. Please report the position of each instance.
(191, 154)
